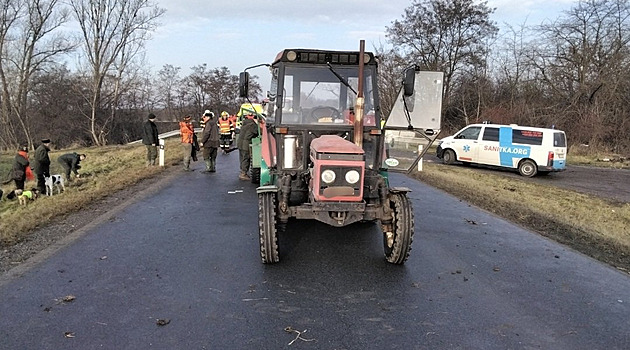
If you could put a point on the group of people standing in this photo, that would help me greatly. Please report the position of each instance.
(38, 168)
(217, 133)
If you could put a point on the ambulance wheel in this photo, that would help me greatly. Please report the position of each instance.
(255, 175)
(449, 157)
(267, 227)
(527, 168)
(397, 244)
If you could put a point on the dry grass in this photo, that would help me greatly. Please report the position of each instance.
(591, 225)
(104, 171)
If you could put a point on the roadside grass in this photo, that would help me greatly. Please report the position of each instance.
(104, 171)
(593, 226)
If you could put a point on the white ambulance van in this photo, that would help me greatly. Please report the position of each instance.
(530, 150)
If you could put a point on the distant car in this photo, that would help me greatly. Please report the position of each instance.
(528, 149)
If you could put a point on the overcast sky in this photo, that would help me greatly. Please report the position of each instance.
(241, 33)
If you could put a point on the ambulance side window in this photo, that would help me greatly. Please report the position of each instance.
(471, 133)
(491, 134)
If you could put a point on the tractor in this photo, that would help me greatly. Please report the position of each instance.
(322, 152)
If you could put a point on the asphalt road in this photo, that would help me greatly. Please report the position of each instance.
(187, 254)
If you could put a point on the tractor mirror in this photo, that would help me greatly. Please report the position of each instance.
(410, 81)
(243, 84)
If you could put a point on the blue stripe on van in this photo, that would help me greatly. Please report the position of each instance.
(509, 151)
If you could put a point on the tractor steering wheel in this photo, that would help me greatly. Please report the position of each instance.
(313, 117)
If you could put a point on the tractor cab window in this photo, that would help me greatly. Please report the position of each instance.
(314, 95)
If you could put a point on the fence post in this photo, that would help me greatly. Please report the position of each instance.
(161, 142)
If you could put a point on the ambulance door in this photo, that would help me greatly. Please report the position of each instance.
(489, 146)
(466, 144)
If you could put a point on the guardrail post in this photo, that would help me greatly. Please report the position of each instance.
(420, 161)
(161, 142)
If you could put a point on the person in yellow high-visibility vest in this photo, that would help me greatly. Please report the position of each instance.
(226, 131)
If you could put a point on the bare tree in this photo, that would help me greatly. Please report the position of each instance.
(444, 35)
(34, 42)
(582, 59)
(112, 32)
(167, 81)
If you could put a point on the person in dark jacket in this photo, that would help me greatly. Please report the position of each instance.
(210, 141)
(41, 165)
(249, 130)
(71, 162)
(21, 171)
(150, 139)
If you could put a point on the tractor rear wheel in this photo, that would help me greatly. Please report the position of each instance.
(267, 227)
(398, 242)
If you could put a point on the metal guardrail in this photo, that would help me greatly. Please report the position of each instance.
(166, 135)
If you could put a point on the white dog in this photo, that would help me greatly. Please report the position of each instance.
(54, 181)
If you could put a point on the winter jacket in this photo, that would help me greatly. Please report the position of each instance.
(71, 160)
(150, 136)
(226, 126)
(21, 170)
(41, 162)
(249, 130)
(210, 134)
(187, 131)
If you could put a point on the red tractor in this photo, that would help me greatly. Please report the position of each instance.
(322, 152)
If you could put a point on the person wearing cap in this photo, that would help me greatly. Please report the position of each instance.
(187, 132)
(209, 141)
(249, 130)
(150, 139)
(41, 165)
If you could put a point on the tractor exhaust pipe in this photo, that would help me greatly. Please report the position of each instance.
(360, 104)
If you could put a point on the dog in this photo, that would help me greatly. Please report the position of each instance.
(54, 181)
(25, 195)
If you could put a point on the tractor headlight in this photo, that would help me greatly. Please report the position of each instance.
(352, 176)
(328, 176)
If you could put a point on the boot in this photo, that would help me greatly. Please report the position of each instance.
(213, 165)
(243, 176)
(208, 166)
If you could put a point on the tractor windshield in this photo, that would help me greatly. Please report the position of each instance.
(321, 95)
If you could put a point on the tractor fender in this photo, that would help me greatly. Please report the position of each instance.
(399, 190)
(267, 188)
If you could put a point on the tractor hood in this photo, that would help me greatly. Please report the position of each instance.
(334, 144)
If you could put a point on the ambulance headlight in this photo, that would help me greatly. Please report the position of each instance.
(328, 176)
(352, 177)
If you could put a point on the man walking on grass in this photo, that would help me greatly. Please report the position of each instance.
(150, 139)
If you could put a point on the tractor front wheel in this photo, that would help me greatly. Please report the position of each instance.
(267, 227)
(398, 241)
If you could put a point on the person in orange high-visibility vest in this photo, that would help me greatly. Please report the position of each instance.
(187, 131)
(226, 130)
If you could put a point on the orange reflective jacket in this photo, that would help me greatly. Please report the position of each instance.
(187, 131)
(226, 126)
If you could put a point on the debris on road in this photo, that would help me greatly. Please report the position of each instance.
(290, 329)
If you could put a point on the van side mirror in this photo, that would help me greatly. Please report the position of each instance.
(410, 81)
(243, 84)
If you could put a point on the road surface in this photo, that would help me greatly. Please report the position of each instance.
(186, 256)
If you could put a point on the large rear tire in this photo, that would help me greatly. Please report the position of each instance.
(267, 227)
(397, 244)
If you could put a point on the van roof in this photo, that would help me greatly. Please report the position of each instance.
(515, 126)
